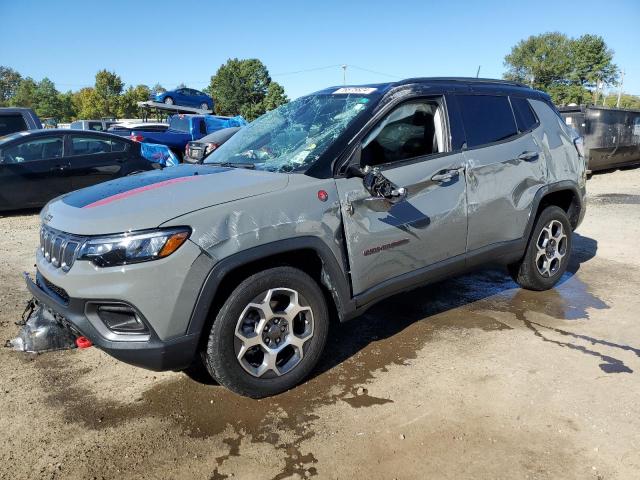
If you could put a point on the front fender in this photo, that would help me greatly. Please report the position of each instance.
(334, 276)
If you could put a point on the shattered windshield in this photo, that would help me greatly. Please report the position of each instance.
(292, 136)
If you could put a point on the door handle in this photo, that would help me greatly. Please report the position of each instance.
(528, 156)
(58, 168)
(446, 175)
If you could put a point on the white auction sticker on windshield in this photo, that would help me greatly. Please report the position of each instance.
(356, 90)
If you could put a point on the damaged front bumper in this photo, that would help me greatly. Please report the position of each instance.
(42, 331)
(151, 352)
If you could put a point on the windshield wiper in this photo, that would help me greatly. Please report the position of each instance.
(250, 166)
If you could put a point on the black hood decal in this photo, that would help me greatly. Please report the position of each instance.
(107, 192)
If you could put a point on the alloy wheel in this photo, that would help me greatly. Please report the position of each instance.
(271, 333)
(551, 248)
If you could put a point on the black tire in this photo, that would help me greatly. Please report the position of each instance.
(526, 272)
(220, 356)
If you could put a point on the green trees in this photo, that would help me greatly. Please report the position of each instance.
(240, 87)
(86, 103)
(42, 97)
(108, 88)
(244, 87)
(569, 69)
(25, 94)
(128, 105)
(626, 101)
(47, 99)
(9, 83)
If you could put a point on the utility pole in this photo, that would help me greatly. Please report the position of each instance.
(344, 74)
(620, 90)
(478, 72)
(599, 88)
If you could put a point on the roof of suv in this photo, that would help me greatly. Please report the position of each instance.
(452, 82)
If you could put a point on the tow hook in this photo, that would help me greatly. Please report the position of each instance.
(83, 342)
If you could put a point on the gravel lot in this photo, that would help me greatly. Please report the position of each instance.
(471, 378)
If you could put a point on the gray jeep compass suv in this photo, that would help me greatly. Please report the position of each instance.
(317, 209)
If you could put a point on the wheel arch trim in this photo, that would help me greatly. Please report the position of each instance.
(333, 276)
(544, 191)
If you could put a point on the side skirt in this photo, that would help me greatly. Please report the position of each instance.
(502, 253)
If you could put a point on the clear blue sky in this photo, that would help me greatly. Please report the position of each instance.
(186, 41)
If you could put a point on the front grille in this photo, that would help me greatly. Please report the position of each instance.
(60, 292)
(59, 248)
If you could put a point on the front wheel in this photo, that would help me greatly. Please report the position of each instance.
(168, 101)
(269, 334)
(204, 106)
(548, 251)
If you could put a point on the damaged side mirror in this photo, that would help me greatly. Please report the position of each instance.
(374, 181)
(380, 186)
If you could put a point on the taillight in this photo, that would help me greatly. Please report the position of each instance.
(579, 144)
(136, 138)
(210, 148)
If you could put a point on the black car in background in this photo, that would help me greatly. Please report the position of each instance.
(39, 165)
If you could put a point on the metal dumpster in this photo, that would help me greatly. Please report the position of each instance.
(611, 135)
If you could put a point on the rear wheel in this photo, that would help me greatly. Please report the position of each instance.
(204, 106)
(269, 334)
(548, 251)
(168, 101)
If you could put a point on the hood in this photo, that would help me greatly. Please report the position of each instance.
(149, 199)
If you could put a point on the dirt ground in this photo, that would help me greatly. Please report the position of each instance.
(472, 378)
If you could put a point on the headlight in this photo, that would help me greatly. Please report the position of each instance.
(134, 247)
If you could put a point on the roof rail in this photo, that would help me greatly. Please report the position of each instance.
(466, 80)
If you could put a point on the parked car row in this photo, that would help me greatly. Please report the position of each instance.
(184, 129)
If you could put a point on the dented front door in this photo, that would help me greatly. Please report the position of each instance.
(386, 240)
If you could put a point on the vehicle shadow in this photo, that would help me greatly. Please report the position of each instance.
(613, 169)
(450, 304)
(20, 213)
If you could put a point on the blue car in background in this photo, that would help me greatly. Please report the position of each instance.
(186, 97)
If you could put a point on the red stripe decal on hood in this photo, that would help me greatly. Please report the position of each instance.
(136, 191)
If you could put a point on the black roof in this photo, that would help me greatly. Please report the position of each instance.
(453, 82)
(464, 80)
